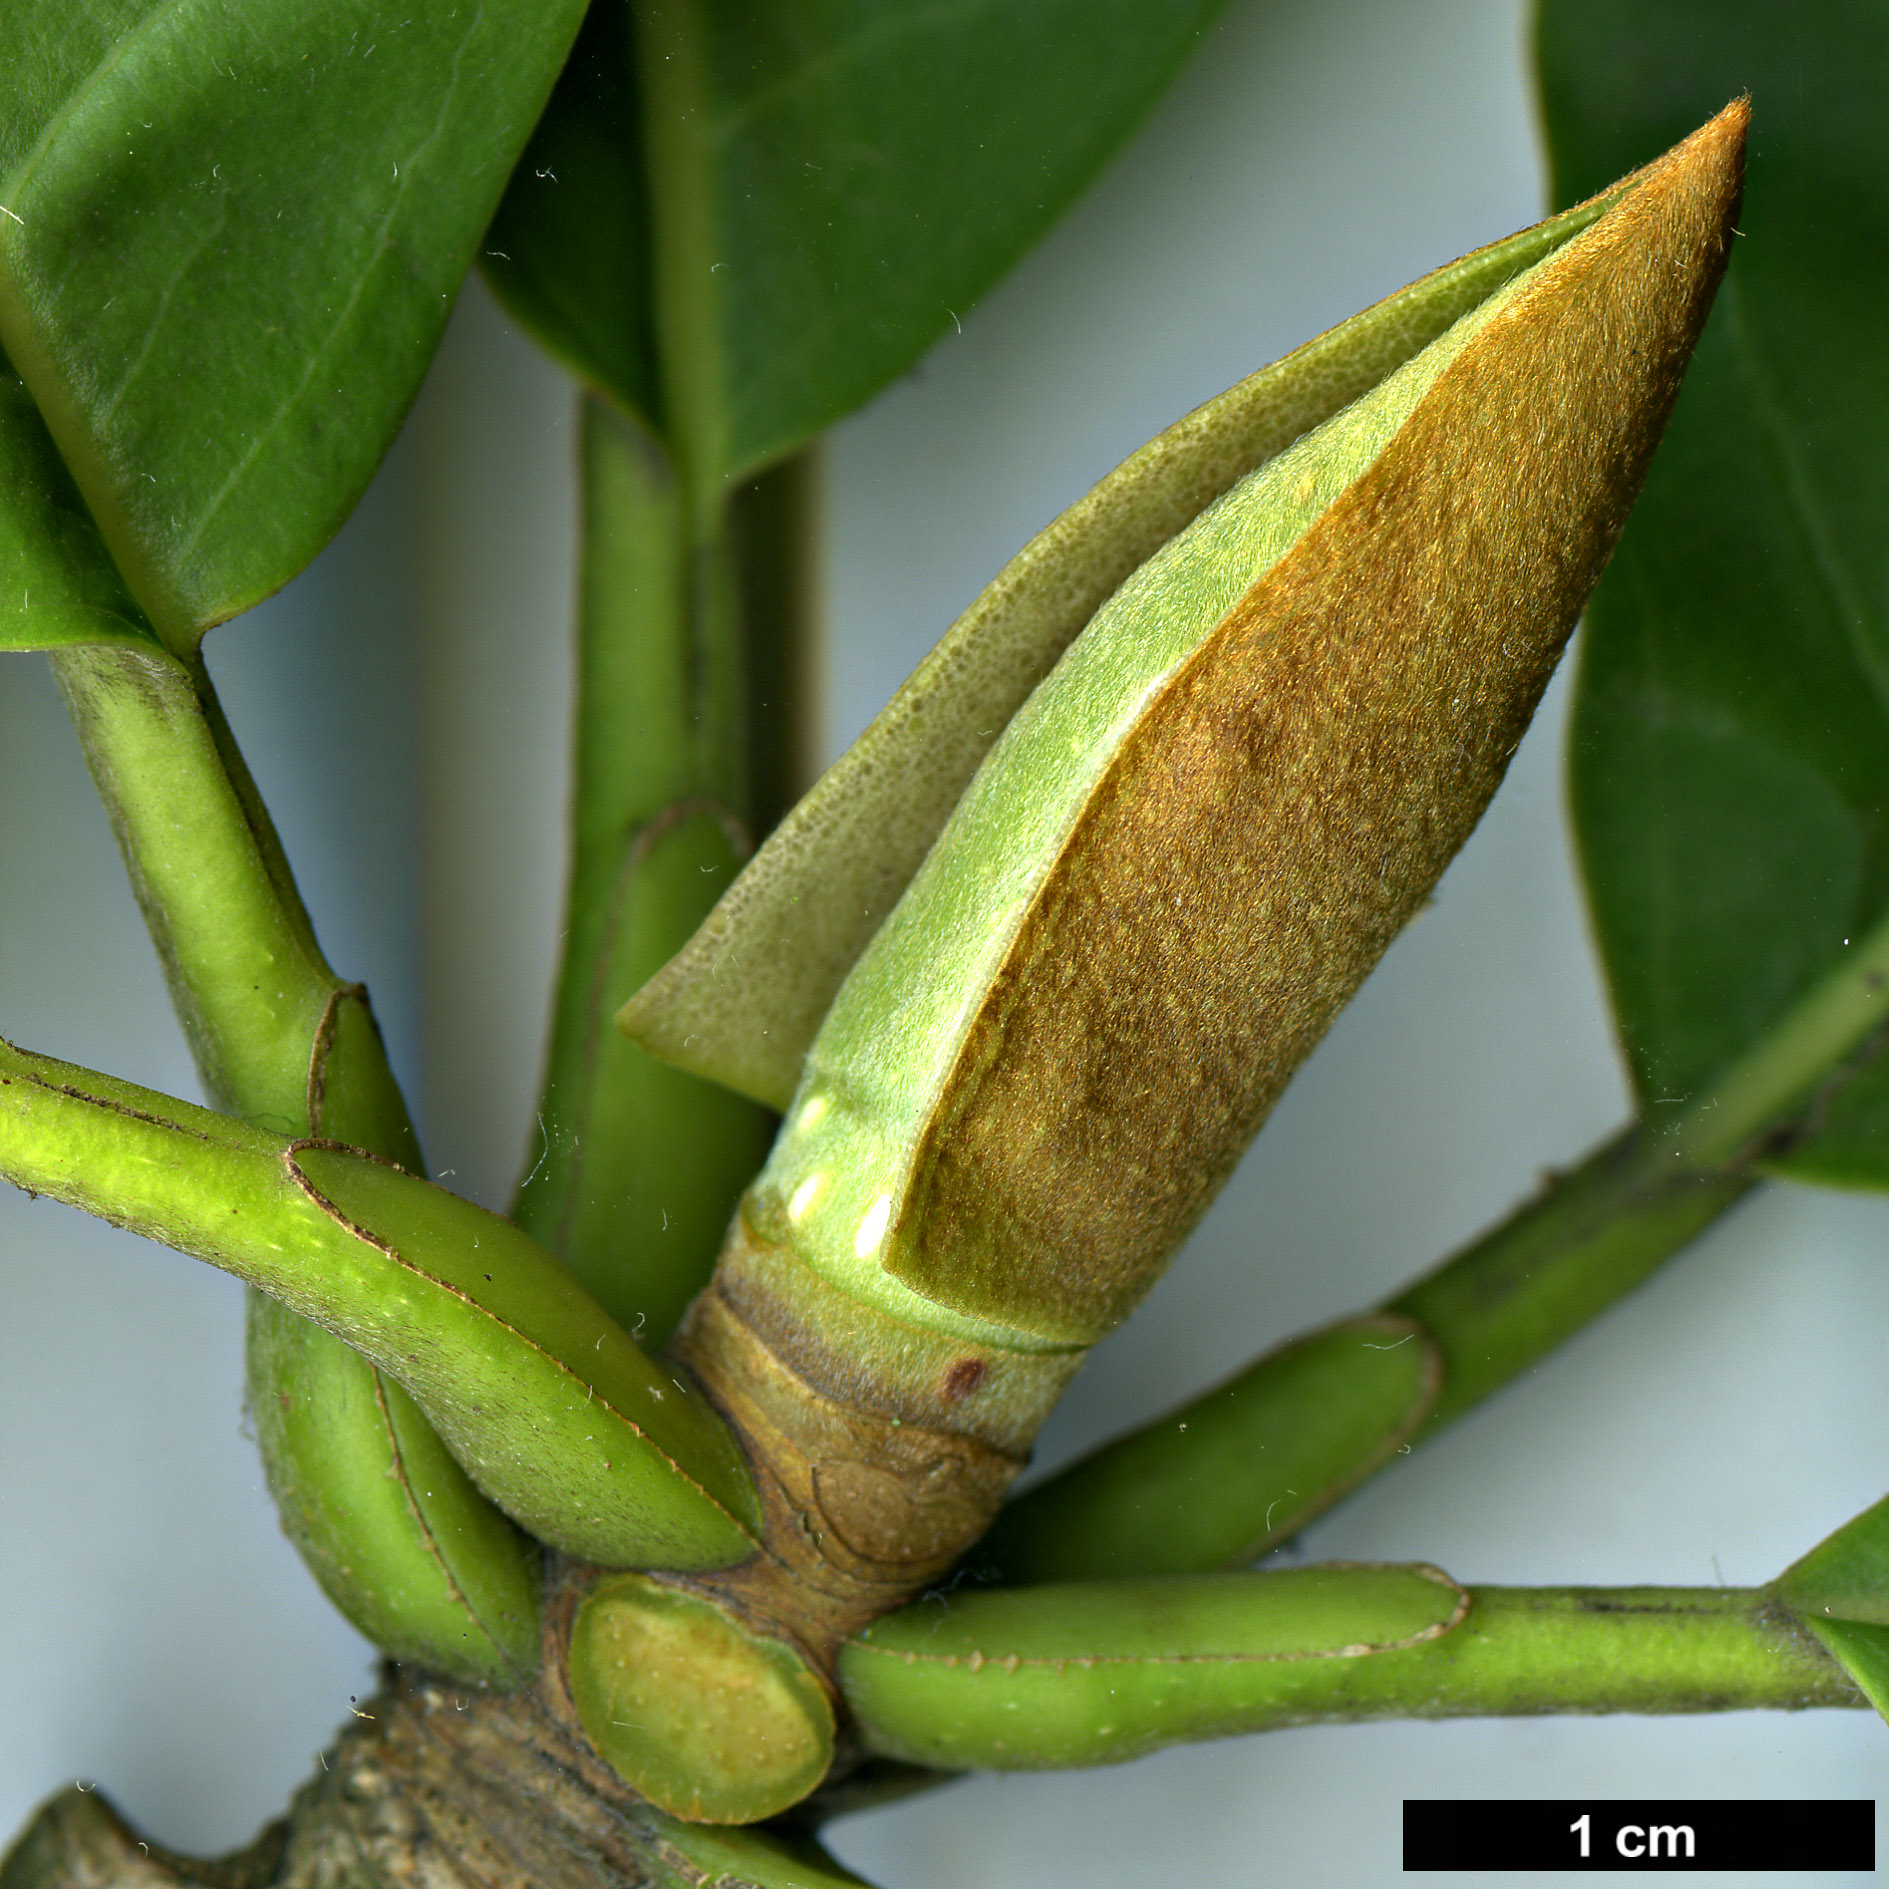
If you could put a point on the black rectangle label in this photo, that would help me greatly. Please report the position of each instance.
(1608, 1833)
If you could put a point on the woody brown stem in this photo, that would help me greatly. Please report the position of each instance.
(881, 1450)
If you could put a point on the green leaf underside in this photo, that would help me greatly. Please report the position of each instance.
(231, 239)
(830, 182)
(58, 586)
(801, 914)
(552, 1409)
(1731, 747)
(1216, 1483)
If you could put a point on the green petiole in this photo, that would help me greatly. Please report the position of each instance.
(1045, 1677)
(555, 1413)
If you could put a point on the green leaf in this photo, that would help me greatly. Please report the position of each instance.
(568, 252)
(229, 239)
(1731, 748)
(58, 586)
(1863, 1651)
(796, 921)
(831, 184)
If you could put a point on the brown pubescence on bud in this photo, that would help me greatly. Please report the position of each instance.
(1276, 818)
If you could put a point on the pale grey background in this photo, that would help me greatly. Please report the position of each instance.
(156, 1633)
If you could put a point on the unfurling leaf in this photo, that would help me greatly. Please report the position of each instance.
(1199, 834)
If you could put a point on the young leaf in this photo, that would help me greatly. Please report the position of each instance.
(1731, 742)
(554, 1412)
(827, 181)
(229, 239)
(1197, 837)
(742, 1003)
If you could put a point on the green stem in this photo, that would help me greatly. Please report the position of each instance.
(248, 980)
(591, 1444)
(1243, 1467)
(387, 1521)
(1072, 1675)
(1585, 1241)
(684, 646)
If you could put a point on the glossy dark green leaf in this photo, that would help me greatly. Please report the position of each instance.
(229, 239)
(58, 587)
(568, 252)
(831, 183)
(1731, 763)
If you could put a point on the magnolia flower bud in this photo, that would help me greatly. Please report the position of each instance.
(1199, 834)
